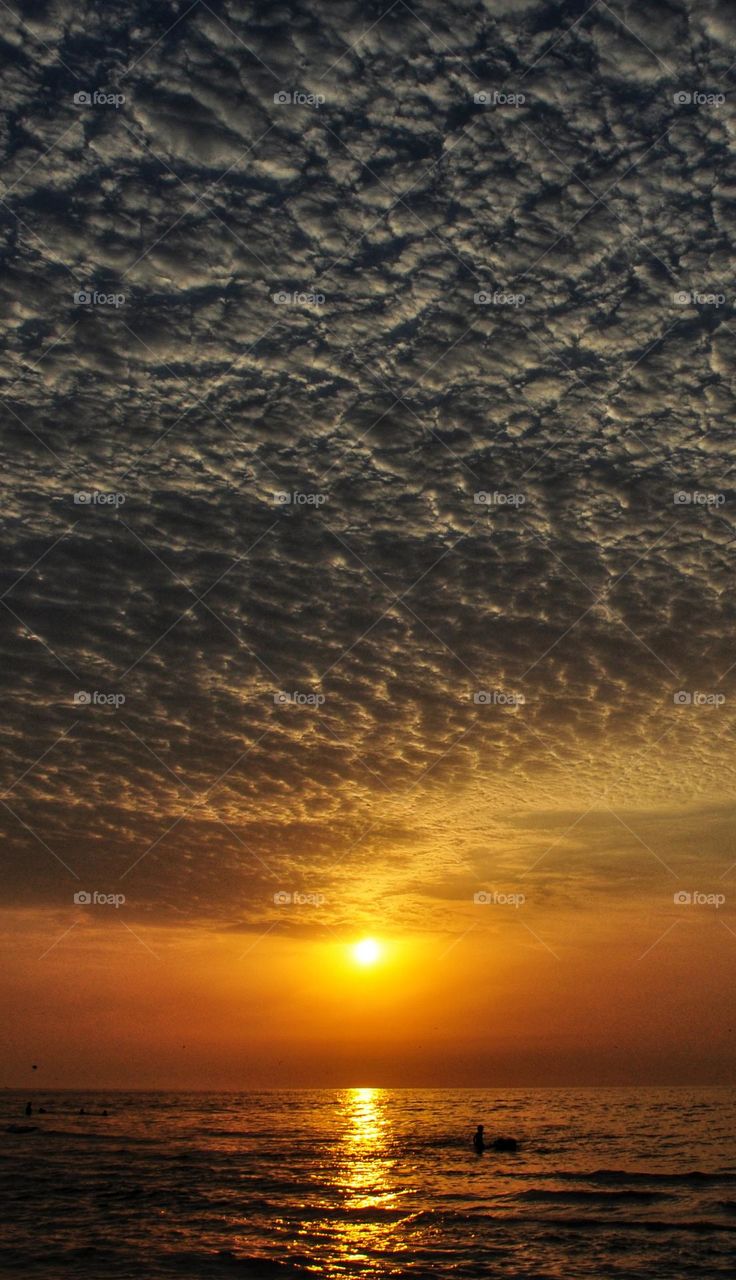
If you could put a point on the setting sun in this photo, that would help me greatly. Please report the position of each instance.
(367, 951)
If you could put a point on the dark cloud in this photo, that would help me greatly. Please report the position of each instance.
(385, 397)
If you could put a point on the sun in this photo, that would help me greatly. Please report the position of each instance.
(367, 951)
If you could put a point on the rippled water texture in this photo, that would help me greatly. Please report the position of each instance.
(368, 1182)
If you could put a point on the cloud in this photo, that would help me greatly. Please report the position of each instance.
(382, 398)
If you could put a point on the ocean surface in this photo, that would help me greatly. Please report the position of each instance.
(367, 1182)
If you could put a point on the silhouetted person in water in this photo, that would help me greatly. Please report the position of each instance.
(498, 1144)
(29, 1109)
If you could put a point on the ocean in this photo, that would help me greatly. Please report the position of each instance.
(619, 1183)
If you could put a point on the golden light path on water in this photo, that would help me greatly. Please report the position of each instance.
(364, 1178)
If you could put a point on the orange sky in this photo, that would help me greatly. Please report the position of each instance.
(494, 1007)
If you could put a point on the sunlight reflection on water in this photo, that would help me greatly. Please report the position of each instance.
(365, 1182)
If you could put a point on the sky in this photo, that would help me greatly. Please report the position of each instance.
(366, 398)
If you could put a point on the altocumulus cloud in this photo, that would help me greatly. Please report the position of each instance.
(455, 280)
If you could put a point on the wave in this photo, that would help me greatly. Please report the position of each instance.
(593, 1197)
(184, 1263)
(224, 1263)
(254, 1134)
(438, 1217)
(116, 1141)
(687, 1177)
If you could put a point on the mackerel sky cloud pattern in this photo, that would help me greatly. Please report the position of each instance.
(283, 292)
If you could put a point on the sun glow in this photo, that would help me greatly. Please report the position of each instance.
(367, 951)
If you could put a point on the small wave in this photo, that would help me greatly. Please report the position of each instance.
(593, 1197)
(116, 1141)
(438, 1217)
(346, 1214)
(625, 1176)
(231, 1133)
(224, 1263)
(184, 1263)
(646, 1175)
